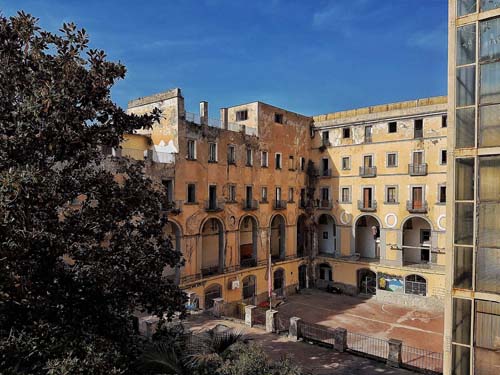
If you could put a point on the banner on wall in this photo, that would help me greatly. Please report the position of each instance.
(390, 283)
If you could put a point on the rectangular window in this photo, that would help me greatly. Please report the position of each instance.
(242, 115)
(444, 121)
(368, 161)
(464, 179)
(461, 320)
(278, 193)
(489, 39)
(489, 125)
(290, 194)
(465, 7)
(391, 194)
(277, 161)
(460, 360)
(392, 127)
(249, 161)
(346, 132)
(419, 128)
(442, 194)
(489, 5)
(465, 128)
(191, 149)
(325, 194)
(191, 193)
(368, 134)
(325, 138)
(486, 336)
(231, 154)
(443, 157)
(302, 164)
(346, 163)
(291, 163)
(466, 86)
(263, 194)
(345, 195)
(212, 152)
(490, 83)
(462, 267)
(466, 44)
(231, 196)
(278, 118)
(264, 159)
(392, 159)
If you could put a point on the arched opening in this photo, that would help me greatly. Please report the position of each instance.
(416, 241)
(367, 282)
(301, 236)
(325, 275)
(172, 232)
(327, 235)
(367, 237)
(212, 292)
(248, 242)
(303, 276)
(279, 282)
(278, 239)
(415, 284)
(212, 248)
(249, 289)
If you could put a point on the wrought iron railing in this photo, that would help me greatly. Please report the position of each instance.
(326, 173)
(415, 358)
(367, 205)
(416, 206)
(250, 204)
(316, 332)
(368, 171)
(279, 204)
(250, 262)
(372, 346)
(417, 169)
(325, 204)
(214, 205)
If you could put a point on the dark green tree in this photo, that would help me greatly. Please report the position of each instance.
(81, 234)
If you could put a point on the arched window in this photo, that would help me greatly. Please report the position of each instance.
(212, 292)
(415, 284)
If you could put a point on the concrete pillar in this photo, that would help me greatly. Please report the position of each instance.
(399, 254)
(294, 331)
(204, 113)
(394, 358)
(271, 320)
(218, 307)
(249, 319)
(340, 337)
(224, 118)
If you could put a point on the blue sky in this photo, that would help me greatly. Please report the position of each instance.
(310, 57)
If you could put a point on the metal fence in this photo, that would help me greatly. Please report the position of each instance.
(259, 316)
(371, 346)
(316, 332)
(416, 358)
(234, 310)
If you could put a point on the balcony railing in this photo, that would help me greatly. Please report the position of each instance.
(279, 204)
(368, 171)
(250, 262)
(250, 204)
(368, 139)
(325, 204)
(174, 207)
(210, 270)
(417, 169)
(214, 206)
(325, 143)
(367, 205)
(326, 173)
(417, 207)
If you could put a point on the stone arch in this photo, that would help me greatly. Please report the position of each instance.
(366, 232)
(367, 281)
(277, 240)
(212, 292)
(327, 234)
(248, 234)
(212, 246)
(417, 237)
(416, 284)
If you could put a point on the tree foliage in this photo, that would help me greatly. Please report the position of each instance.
(81, 234)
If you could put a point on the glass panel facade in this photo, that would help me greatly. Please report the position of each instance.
(489, 126)
(466, 86)
(464, 223)
(465, 7)
(466, 44)
(489, 47)
(465, 127)
(461, 360)
(486, 336)
(489, 4)
(490, 83)
(463, 267)
(461, 320)
(464, 179)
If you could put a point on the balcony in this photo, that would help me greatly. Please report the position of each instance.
(249, 204)
(325, 204)
(249, 262)
(209, 271)
(368, 139)
(368, 171)
(174, 207)
(417, 169)
(279, 204)
(214, 206)
(367, 205)
(325, 143)
(326, 173)
(417, 207)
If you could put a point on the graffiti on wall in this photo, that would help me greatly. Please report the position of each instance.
(390, 283)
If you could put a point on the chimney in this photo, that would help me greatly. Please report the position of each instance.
(223, 118)
(204, 113)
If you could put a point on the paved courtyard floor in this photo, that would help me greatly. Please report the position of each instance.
(418, 328)
(313, 359)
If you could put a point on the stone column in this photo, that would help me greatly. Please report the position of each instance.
(271, 320)
(224, 118)
(293, 331)
(394, 358)
(340, 337)
(204, 113)
(218, 307)
(249, 315)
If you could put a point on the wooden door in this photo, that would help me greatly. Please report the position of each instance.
(417, 195)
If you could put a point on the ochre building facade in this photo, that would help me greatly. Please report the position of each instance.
(352, 199)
